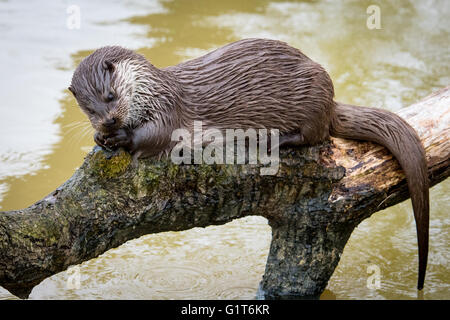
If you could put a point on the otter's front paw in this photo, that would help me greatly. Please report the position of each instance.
(99, 139)
(120, 138)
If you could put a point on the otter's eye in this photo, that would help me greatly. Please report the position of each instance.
(110, 97)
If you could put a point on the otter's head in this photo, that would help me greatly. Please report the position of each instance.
(115, 88)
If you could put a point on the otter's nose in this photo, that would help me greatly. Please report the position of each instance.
(108, 123)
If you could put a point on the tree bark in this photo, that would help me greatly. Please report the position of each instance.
(314, 202)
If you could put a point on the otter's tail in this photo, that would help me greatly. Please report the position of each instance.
(391, 131)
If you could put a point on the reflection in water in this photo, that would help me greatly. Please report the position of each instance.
(43, 137)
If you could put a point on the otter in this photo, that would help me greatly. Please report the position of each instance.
(252, 83)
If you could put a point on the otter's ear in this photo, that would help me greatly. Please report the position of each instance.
(108, 65)
(71, 90)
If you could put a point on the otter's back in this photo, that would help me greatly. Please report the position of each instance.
(257, 83)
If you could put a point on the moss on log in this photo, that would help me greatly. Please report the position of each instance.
(314, 202)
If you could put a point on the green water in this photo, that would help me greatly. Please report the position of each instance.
(44, 137)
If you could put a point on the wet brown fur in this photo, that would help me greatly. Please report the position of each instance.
(252, 83)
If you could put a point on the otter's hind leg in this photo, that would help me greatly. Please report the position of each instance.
(291, 139)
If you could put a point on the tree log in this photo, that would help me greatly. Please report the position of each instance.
(314, 202)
